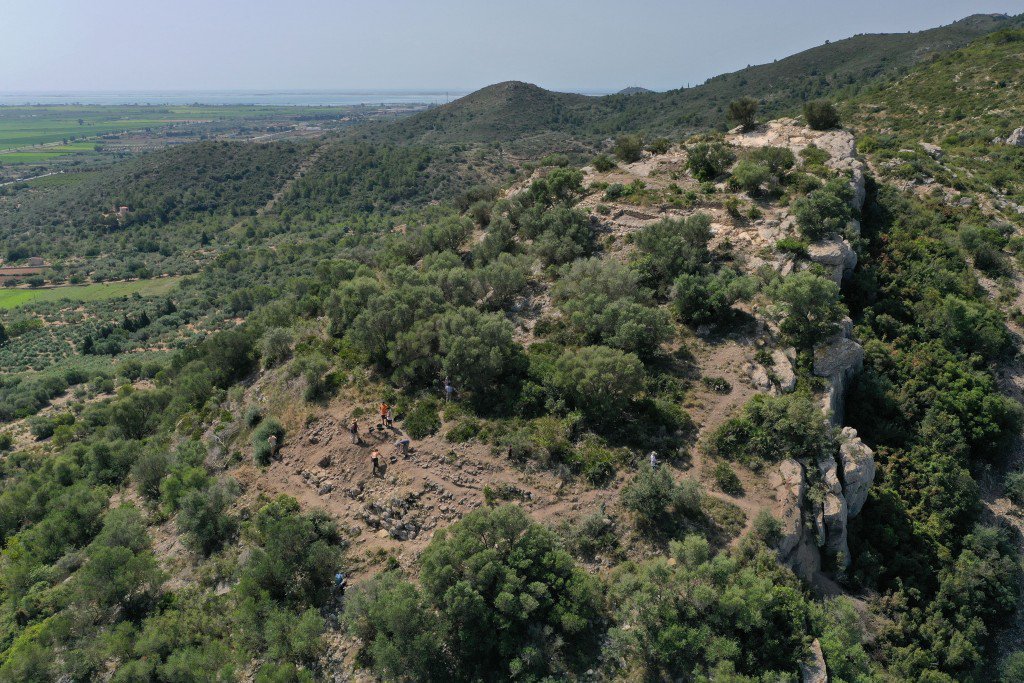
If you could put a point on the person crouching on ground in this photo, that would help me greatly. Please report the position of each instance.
(375, 461)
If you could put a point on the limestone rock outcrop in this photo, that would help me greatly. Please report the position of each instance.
(838, 360)
(821, 521)
(812, 669)
(1016, 138)
(834, 515)
(776, 377)
(836, 256)
(858, 467)
(790, 487)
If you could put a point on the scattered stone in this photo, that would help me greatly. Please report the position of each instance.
(325, 489)
(325, 461)
(1016, 138)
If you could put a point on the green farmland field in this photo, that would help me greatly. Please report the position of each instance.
(23, 127)
(12, 298)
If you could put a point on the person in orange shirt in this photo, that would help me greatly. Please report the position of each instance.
(384, 407)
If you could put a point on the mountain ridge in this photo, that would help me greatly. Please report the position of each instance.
(505, 111)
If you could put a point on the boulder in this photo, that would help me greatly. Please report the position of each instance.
(782, 366)
(1016, 138)
(857, 463)
(934, 151)
(812, 668)
(759, 377)
(836, 256)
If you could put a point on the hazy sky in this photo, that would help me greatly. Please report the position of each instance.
(457, 44)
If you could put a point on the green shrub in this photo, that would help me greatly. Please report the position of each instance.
(743, 112)
(593, 534)
(603, 163)
(749, 176)
(557, 159)
(823, 212)
(1012, 667)
(767, 528)
(792, 245)
(814, 156)
(464, 431)
(659, 146)
(253, 415)
(703, 299)
(422, 420)
(773, 428)
(628, 148)
(203, 518)
(821, 115)
(499, 598)
(658, 502)
(778, 160)
(599, 381)
(671, 247)
(275, 347)
(732, 207)
(727, 480)
(260, 444)
(1014, 485)
(810, 307)
(708, 160)
(719, 385)
(672, 608)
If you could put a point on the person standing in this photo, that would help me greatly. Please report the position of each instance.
(272, 442)
(449, 390)
(353, 429)
(384, 407)
(375, 461)
(389, 417)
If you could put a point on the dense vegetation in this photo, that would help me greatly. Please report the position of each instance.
(929, 402)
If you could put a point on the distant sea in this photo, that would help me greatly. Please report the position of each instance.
(264, 97)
